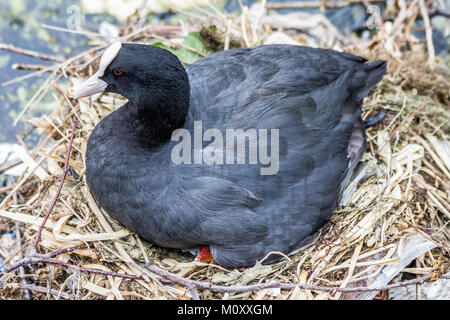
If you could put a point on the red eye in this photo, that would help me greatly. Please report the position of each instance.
(117, 72)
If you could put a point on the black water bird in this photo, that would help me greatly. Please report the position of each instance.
(311, 96)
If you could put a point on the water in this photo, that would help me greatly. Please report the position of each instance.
(21, 25)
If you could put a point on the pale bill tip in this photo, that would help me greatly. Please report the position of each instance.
(95, 85)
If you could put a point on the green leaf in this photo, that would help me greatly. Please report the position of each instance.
(192, 41)
(160, 45)
(193, 45)
(163, 46)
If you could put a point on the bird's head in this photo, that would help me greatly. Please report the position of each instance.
(141, 73)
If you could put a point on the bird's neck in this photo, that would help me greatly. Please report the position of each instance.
(157, 116)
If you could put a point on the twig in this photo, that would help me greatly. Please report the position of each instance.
(244, 18)
(74, 31)
(32, 67)
(36, 256)
(428, 34)
(318, 4)
(88, 270)
(439, 12)
(37, 96)
(62, 64)
(188, 283)
(55, 85)
(256, 23)
(23, 281)
(227, 37)
(404, 13)
(418, 295)
(31, 53)
(16, 252)
(54, 292)
(25, 176)
(152, 29)
(7, 188)
(66, 250)
(194, 293)
(63, 177)
(9, 164)
(411, 116)
(54, 68)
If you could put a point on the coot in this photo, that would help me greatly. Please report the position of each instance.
(162, 166)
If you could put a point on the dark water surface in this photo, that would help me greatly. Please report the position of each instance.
(21, 25)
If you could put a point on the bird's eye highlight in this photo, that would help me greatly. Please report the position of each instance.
(117, 72)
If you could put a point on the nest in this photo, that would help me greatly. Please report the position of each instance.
(395, 211)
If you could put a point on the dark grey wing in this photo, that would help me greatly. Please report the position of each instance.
(206, 211)
(232, 78)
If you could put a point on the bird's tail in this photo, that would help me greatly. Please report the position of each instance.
(369, 76)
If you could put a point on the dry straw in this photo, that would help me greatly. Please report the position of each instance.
(84, 254)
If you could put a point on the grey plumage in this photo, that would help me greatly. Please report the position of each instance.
(313, 96)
